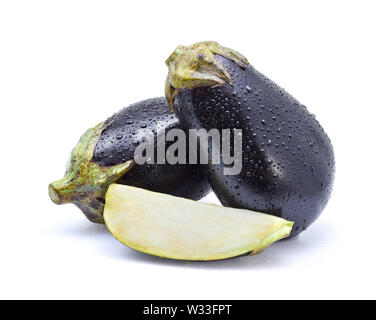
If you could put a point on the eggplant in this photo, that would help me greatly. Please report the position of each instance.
(287, 160)
(105, 154)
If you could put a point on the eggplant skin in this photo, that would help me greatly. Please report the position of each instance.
(125, 130)
(288, 161)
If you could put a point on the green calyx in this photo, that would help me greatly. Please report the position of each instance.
(86, 182)
(196, 66)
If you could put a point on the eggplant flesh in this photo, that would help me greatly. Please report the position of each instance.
(177, 228)
(105, 154)
(288, 161)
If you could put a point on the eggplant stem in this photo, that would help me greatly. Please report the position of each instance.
(85, 180)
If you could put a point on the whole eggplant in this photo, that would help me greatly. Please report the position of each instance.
(105, 154)
(287, 158)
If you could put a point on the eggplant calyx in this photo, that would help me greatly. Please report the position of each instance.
(196, 66)
(86, 182)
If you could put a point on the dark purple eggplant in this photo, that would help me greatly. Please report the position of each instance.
(287, 159)
(105, 154)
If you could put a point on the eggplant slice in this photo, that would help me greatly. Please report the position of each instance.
(182, 229)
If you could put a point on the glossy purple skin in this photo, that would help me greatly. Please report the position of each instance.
(288, 160)
(118, 142)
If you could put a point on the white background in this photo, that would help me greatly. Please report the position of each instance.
(67, 65)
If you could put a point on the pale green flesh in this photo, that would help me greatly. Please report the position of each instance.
(178, 228)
